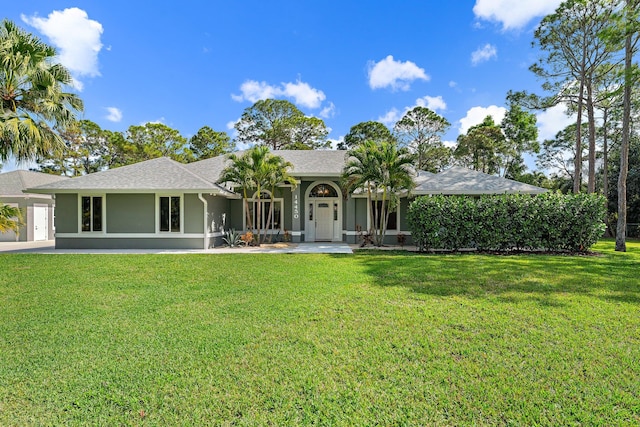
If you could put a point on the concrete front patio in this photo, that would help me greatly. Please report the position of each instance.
(48, 247)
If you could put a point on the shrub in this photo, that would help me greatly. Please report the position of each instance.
(551, 221)
(232, 238)
(248, 238)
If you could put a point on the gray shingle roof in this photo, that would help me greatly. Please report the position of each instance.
(164, 174)
(13, 183)
(156, 174)
(459, 180)
(306, 163)
(315, 162)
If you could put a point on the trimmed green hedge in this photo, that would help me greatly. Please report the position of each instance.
(551, 222)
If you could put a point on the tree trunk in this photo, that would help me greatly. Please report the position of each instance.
(621, 229)
(605, 153)
(605, 166)
(591, 186)
(270, 218)
(577, 174)
(248, 213)
(258, 216)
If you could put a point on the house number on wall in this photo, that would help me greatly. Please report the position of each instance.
(296, 207)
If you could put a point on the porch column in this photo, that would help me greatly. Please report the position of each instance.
(296, 214)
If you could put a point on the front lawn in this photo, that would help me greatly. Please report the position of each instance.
(371, 338)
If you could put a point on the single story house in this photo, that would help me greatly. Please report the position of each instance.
(161, 203)
(37, 208)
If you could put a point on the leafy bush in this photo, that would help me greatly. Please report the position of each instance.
(551, 221)
(249, 238)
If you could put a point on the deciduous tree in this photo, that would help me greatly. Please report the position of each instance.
(207, 143)
(481, 147)
(558, 154)
(421, 130)
(570, 40)
(627, 26)
(521, 136)
(153, 140)
(280, 125)
(365, 131)
(87, 149)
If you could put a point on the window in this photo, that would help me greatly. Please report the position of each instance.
(91, 213)
(170, 213)
(323, 190)
(264, 222)
(392, 221)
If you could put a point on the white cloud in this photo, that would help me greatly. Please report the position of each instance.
(483, 54)
(450, 144)
(513, 14)
(453, 84)
(552, 121)
(476, 115)
(115, 114)
(394, 74)
(303, 94)
(391, 117)
(336, 142)
(231, 127)
(77, 38)
(77, 84)
(432, 103)
(328, 111)
(300, 92)
(254, 91)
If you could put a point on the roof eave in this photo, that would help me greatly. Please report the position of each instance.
(25, 196)
(129, 190)
(473, 192)
(316, 175)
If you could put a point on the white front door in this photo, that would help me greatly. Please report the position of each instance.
(40, 223)
(324, 221)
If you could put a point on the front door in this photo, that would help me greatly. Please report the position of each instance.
(40, 223)
(324, 221)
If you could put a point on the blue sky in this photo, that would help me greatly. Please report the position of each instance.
(200, 63)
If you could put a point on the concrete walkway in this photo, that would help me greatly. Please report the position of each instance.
(48, 247)
(45, 245)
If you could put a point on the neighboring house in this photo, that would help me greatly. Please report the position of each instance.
(37, 209)
(161, 203)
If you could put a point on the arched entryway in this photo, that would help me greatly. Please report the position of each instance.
(323, 203)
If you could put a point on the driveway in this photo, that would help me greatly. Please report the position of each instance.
(45, 245)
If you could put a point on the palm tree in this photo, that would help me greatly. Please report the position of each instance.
(10, 219)
(278, 173)
(240, 173)
(256, 170)
(259, 160)
(32, 96)
(384, 171)
(361, 172)
(397, 177)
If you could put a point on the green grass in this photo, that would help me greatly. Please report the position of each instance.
(371, 338)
